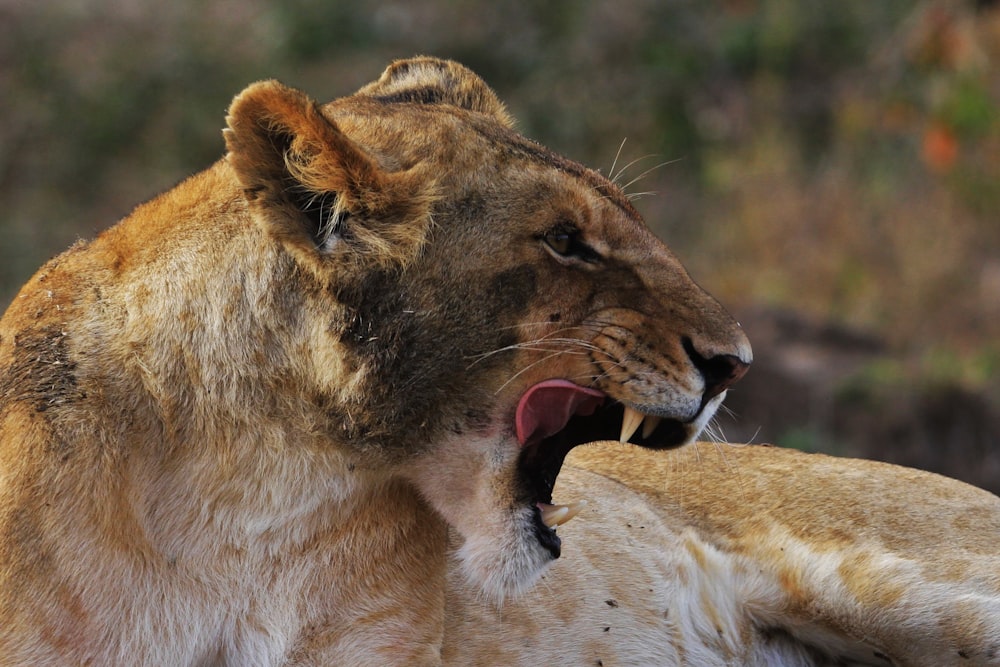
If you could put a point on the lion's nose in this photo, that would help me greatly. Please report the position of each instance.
(719, 372)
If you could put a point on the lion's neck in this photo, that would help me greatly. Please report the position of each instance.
(197, 440)
(225, 434)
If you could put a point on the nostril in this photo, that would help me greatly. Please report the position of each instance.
(719, 372)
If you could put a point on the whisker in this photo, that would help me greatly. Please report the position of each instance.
(568, 346)
(610, 364)
(647, 172)
(614, 179)
(534, 341)
(530, 346)
(714, 431)
(526, 369)
(731, 467)
(617, 155)
(632, 196)
(534, 344)
(540, 323)
(601, 376)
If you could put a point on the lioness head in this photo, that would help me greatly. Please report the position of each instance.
(473, 305)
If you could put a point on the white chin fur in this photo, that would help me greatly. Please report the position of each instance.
(506, 564)
(706, 416)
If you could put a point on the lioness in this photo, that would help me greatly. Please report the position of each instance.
(309, 407)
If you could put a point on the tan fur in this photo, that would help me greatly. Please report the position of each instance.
(269, 418)
(751, 555)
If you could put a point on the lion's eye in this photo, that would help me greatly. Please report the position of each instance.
(567, 243)
(560, 242)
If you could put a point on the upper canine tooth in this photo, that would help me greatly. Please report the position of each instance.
(649, 425)
(630, 423)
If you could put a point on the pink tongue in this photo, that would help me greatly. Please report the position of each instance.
(547, 407)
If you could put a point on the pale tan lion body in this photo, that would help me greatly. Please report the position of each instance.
(721, 554)
(309, 406)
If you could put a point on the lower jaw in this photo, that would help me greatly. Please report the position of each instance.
(669, 434)
(604, 424)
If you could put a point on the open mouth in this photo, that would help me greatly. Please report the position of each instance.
(555, 416)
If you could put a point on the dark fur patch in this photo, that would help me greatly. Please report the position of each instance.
(421, 348)
(515, 287)
(33, 564)
(424, 95)
(40, 371)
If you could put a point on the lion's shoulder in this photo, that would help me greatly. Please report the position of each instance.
(735, 490)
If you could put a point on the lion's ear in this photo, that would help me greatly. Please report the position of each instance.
(311, 185)
(435, 81)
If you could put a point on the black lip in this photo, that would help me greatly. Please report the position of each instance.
(540, 463)
(546, 536)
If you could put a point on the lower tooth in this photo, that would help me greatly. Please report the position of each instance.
(574, 509)
(557, 515)
(554, 515)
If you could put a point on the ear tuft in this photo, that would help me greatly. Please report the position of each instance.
(426, 80)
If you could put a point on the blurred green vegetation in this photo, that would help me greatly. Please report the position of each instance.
(839, 159)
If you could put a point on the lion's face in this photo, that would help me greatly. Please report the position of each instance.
(491, 304)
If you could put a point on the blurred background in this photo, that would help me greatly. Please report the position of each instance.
(829, 170)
